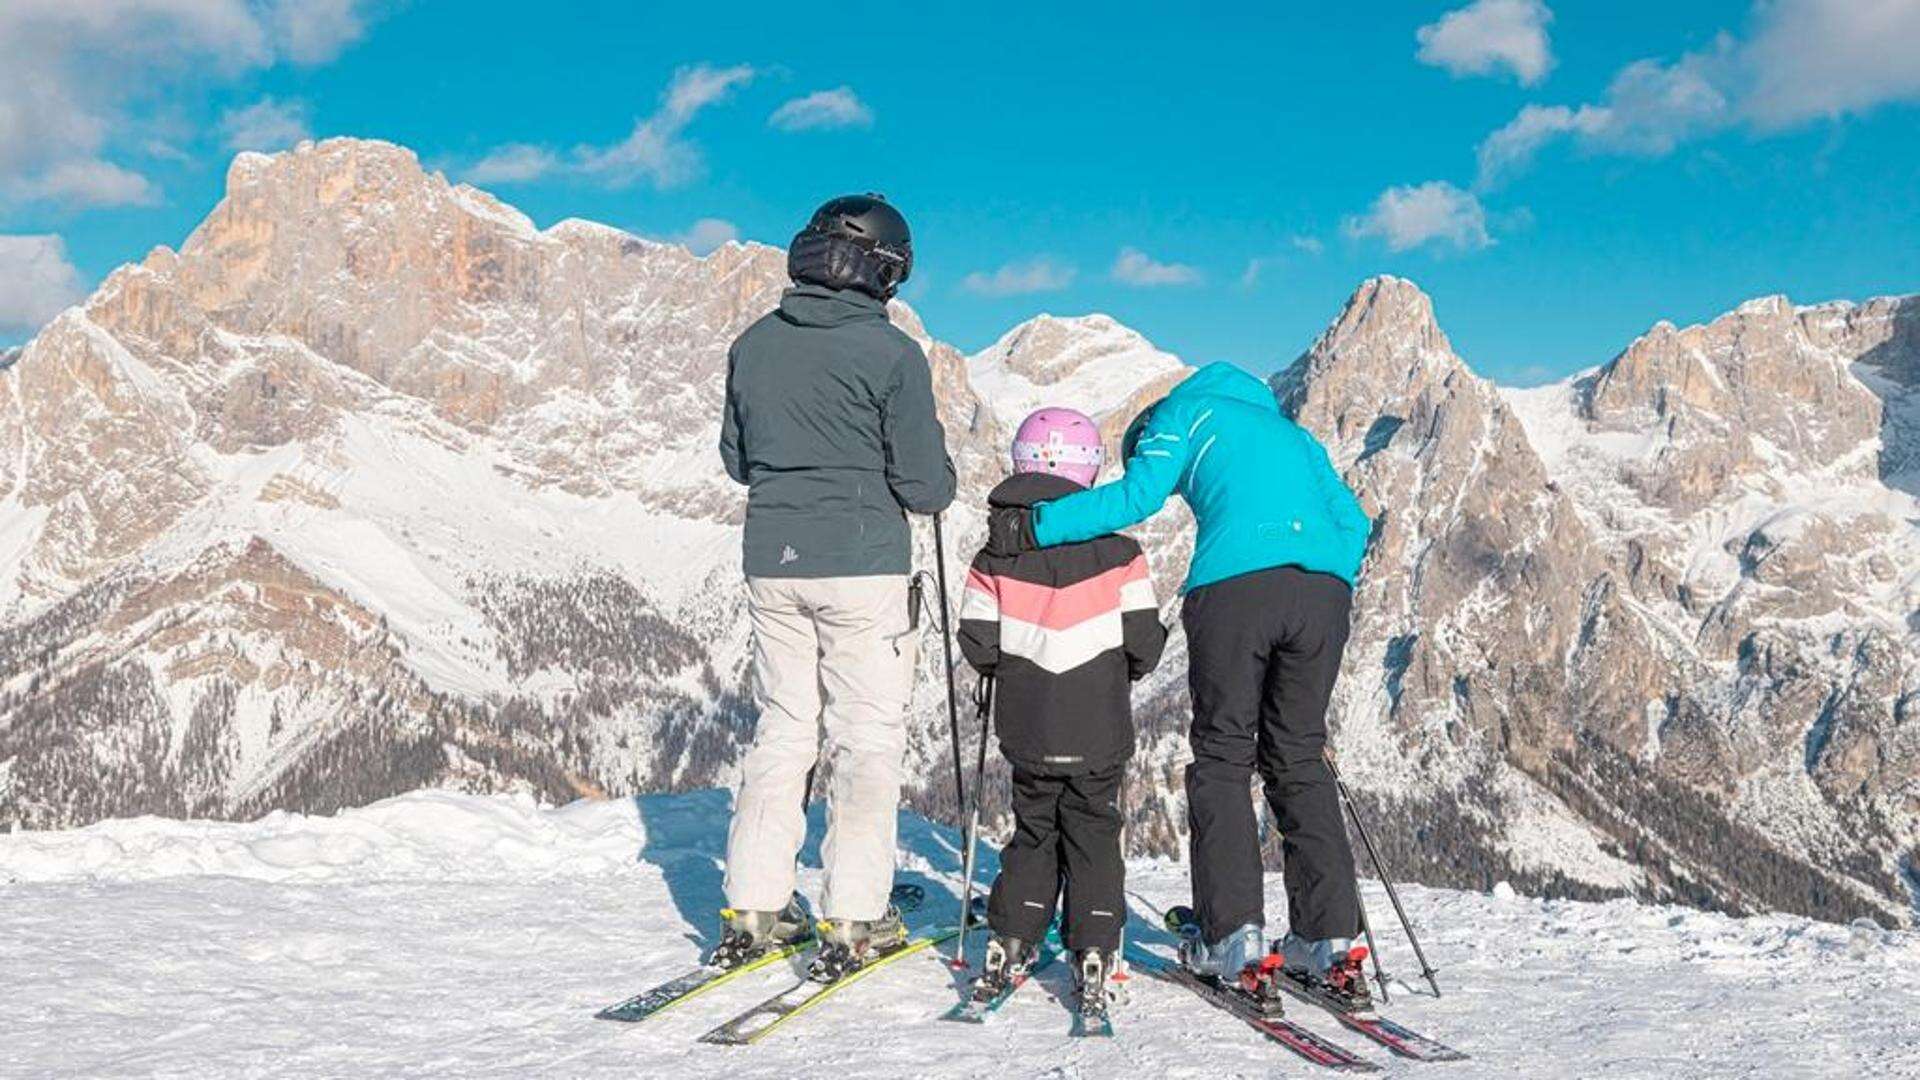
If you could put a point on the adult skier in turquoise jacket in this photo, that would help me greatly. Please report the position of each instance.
(1268, 598)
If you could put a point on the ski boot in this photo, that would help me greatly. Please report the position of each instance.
(1329, 968)
(1092, 968)
(748, 934)
(1239, 961)
(1006, 963)
(845, 944)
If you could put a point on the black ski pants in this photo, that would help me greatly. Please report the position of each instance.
(1066, 837)
(1263, 652)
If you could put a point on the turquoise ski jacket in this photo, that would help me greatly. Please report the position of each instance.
(1262, 490)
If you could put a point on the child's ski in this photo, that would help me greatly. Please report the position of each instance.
(1396, 1037)
(757, 1022)
(1283, 1031)
(694, 983)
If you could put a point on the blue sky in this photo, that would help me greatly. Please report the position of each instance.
(1558, 175)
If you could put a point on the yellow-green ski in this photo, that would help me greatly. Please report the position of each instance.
(755, 1024)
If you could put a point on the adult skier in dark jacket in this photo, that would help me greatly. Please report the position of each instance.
(1063, 632)
(830, 424)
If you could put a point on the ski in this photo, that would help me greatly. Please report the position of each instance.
(1298, 1039)
(756, 1023)
(977, 1010)
(1396, 1037)
(694, 983)
(1091, 1027)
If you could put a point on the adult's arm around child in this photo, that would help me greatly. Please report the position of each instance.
(1153, 471)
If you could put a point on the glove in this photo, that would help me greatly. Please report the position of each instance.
(1010, 530)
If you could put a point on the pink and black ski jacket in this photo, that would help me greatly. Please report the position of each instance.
(1064, 631)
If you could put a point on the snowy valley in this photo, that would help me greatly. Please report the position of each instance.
(374, 486)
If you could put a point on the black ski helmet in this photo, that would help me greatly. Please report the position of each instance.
(854, 242)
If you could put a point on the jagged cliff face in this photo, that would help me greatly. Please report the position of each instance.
(374, 485)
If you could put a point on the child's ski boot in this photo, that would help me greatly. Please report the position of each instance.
(1092, 968)
(1006, 963)
(748, 934)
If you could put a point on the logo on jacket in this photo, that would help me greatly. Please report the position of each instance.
(787, 554)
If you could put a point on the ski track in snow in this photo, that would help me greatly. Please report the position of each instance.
(441, 934)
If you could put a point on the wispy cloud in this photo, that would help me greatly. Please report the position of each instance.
(83, 183)
(1135, 267)
(703, 236)
(1035, 275)
(1804, 60)
(1489, 36)
(266, 124)
(1435, 213)
(36, 281)
(655, 151)
(74, 75)
(821, 110)
(512, 163)
(1298, 245)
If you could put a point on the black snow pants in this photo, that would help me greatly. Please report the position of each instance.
(1263, 651)
(1066, 836)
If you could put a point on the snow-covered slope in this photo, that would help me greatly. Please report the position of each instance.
(454, 935)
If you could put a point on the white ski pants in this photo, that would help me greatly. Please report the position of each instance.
(834, 657)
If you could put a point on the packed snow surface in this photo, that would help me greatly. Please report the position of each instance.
(439, 934)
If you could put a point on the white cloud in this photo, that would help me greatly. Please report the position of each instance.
(1135, 267)
(823, 109)
(512, 163)
(36, 281)
(1488, 35)
(655, 151)
(315, 31)
(1435, 213)
(84, 182)
(265, 125)
(1804, 60)
(1036, 275)
(707, 234)
(1300, 244)
(1819, 58)
(78, 79)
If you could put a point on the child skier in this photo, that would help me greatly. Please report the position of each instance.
(1268, 595)
(1063, 632)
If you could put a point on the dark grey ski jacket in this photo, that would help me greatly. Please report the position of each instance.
(830, 423)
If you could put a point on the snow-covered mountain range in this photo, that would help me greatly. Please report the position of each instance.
(373, 485)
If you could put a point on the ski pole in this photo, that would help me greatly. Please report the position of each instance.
(946, 646)
(1427, 970)
(953, 713)
(983, 700)
(1366, 929)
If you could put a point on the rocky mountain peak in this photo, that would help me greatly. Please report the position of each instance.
(1048, 348)
(1090, 362)
(1384, 350)
(1754, 391)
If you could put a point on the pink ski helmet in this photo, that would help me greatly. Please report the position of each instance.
(1059, 441)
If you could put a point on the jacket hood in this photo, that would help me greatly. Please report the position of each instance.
(1026, 489)
(1221, 379)
(819, 306)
